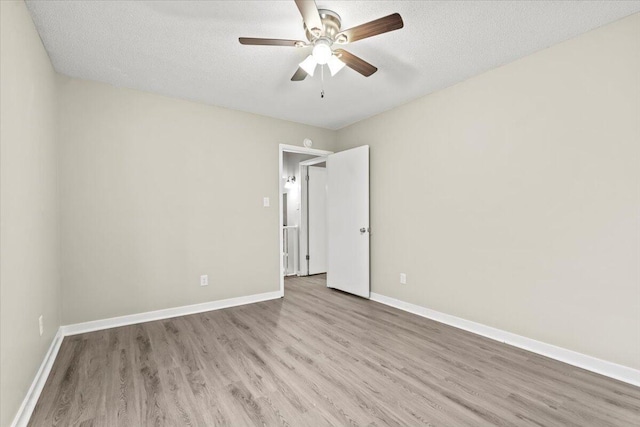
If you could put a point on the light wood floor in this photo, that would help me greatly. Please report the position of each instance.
(317, 357)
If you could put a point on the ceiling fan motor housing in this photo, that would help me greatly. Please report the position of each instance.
(330, 26)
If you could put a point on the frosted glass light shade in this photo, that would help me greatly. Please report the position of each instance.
(322, 52)
(335, 65)
(309, 65)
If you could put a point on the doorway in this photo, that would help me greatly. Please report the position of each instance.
(295, 205)
(342, 226)
(313, 230)
(292, 251)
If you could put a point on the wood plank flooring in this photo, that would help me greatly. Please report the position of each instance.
(317, 357)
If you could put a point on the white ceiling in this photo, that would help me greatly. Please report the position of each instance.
(190, 49)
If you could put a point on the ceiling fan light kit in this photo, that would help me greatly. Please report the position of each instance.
(309, 65)
(322, 54)
(335, 65)
(323, 29)
(322, 50)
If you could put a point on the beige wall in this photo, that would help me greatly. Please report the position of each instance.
(29, 242)
(157, 191)
(513, 199)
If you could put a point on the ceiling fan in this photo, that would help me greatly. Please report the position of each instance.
(322, 29)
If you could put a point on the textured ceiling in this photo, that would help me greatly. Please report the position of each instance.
(190, 49)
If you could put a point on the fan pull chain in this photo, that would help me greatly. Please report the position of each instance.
(321, 81)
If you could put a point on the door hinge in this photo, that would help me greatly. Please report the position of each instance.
(306, 178)
(307, 257)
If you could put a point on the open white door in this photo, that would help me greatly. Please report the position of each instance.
(317, 219)
(348, 221)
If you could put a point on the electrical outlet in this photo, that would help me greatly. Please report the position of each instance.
(41, 324)
(265, 202)
(403, 279)
(204, 280)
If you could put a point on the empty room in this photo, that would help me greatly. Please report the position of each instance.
(319, 213)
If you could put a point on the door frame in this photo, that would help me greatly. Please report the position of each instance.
(304, 209)
(282, 148)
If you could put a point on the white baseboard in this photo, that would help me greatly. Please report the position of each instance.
(29, 403)
(609, 369)
(132, 319)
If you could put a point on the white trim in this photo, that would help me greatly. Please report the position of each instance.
(609, 369)
(289, 149)
(132, 319)
(315, 161)
(29, 403)
(303, 150)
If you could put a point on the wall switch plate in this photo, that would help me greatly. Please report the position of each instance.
(41, 324)
(403, 279)
(204, 280)
(265, 202)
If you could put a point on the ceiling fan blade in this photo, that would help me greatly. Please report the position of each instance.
(299, 75)
(373, 28)
(271, 42)
(310, 14)
(355, 63)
